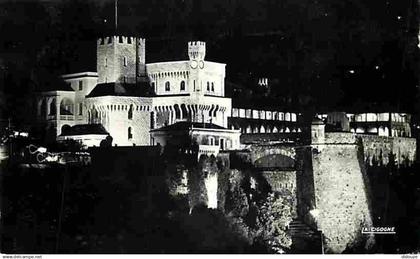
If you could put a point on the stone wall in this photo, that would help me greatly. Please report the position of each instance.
(339, 138)
(341, 197)
(116, 59)
(379, 149)
(404, 149)
(113, 112)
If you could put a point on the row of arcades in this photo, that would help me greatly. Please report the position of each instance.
(51, 107)
(379, 117)
(382, 131)
(260, 129)
(160, 115)
(264, 115)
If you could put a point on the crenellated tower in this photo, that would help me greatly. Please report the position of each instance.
(121, 59)
(197, 50)
(196, 53)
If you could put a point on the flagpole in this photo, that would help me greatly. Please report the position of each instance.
(116, 15)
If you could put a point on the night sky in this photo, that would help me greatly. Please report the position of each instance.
(339, 54)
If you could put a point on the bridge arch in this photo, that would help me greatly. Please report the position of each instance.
(260, 152)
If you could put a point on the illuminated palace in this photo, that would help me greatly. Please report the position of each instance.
(139, 103)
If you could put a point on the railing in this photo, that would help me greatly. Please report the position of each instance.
(51, 117)
(67, 117)
(208, 150)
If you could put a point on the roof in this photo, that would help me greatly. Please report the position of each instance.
(120, 89)
(186, 125)
(85, 129)
(56, 86)
(80, 75)
(317, 121)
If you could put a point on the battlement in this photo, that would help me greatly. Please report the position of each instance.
(120, 40)
(196, 43)
(263, 81)
(196, 49)
(120, 58)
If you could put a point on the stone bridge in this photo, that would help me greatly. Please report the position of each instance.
(278, 156)
(268, 156)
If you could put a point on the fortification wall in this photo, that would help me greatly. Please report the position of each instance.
(379, 149)
(114, 116)
(404, 149)
(339, 138)
(341, 197)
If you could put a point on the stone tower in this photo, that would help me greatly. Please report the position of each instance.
(196, 53)
(121, 59)
(197, 50)
(317, 131)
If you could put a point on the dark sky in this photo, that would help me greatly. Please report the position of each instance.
(337, 52)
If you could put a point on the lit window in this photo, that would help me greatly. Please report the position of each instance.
(167, 86)
(80, 85)
(182, 86)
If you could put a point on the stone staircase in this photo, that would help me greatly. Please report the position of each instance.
(306, 240)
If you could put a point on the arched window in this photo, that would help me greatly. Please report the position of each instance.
(130, 134)
(184, 111)
(212, 87)
(94, 116)
(177, 111)
(167, 86)
(248, 129)
(66, 107)
(65, 128)
(53, 109)
(130, 112)
(182, 87)
(222, 144)
(208, 87)
(287, 116)
(80, 108)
